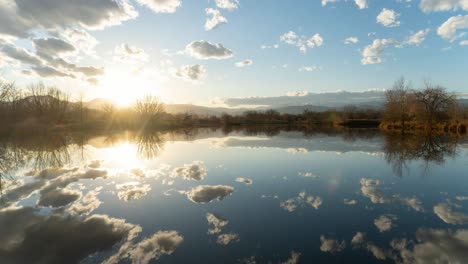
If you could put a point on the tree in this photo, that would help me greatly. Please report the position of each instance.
(435, 101)
(149, 109)
(398, 102)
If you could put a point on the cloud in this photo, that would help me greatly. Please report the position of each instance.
(193, 171)
(152, 248)
(351, 40)
(208, 193)
(53, 46)
(301, 200)
(385, 222)
(161, 6)
(428, 6)
(445, 212)
(293, 259)
(325, 2)
(362, 4)
(132, 191)
(308, 68)
(19, 18)
(86, 204)
(244, 63)
(349, 201)
(192, 73)
(217, 222)
(215, 20)
(22, 55)
(358, 239)
(372, 53)
(418, 37)
(127, 53)
(388, 18)
(297, 93)
(464, 43)
(448, 30)
(69, 239)
(291, 38)
(225, 239)
(244, 180)
(331, 245)
(205, 50)
(58, 198)
(227, 4)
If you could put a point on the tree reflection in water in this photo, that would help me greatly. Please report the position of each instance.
(402, 149)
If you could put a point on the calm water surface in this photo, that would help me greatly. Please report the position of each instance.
(211, 196)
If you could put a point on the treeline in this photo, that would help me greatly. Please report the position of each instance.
(431, 108)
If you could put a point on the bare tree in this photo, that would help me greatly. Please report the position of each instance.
(435, 101)
(398, 102)
(149, 109)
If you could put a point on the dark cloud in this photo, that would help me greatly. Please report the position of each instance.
(202, 49)
(58, 198)
(52, 46)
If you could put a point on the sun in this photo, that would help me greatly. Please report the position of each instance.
(124, 87)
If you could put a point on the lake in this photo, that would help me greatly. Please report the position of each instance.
(234, 196)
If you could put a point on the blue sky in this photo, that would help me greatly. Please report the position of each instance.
(153, 46)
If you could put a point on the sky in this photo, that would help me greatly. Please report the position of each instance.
(205, 51)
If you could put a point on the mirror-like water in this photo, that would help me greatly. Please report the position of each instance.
(212, 196)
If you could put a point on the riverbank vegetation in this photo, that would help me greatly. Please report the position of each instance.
(43, 108)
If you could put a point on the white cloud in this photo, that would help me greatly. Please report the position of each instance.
(161, 6)
(192, 73)
(308, 68)
(227, 4)
(244, 180)
(217, 222)
(362, 4)
(132, 191)
(331, 245)
(152, 248)
(325, 2)
(291, 38)
(205, 50)
(215, 20)
(448, 30)
(131, 54)
(464, 43)
(301, 200)
(371, 53)
(193, 171)
(418, 37)
(225, 239)
(388, 18)
(349, 201)
(385, 222)
(351, 40)
(208, 193)
(358, 239)
(442, 5)
(297, 93)
(244, 63)
(445, 212)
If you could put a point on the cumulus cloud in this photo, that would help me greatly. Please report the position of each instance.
(53, 46)
(205, 50)
(227, 4)
(331, 245)
(193, 171)
(70, 239)
(244, 180)
(385, 222)
(388, 18)
(208, 193)
(448, 30)
(225, 239)
(301, 200)
(192, 73)
(152, 248)
(325, 2)
(161, 6)
(418, 37)
(132, 191)
(215, 20)
(217, 222)
(86, 204)
(442, 5)
(19, 18)
(308, 68)
(372, 53)
(362, 4)
(358, 239)
(127, 53)
(302, 42)
(351, 40)
(58, 198)
(445, 212)
(464, 43)
(244, 63)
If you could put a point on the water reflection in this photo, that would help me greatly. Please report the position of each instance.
(172, 197)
